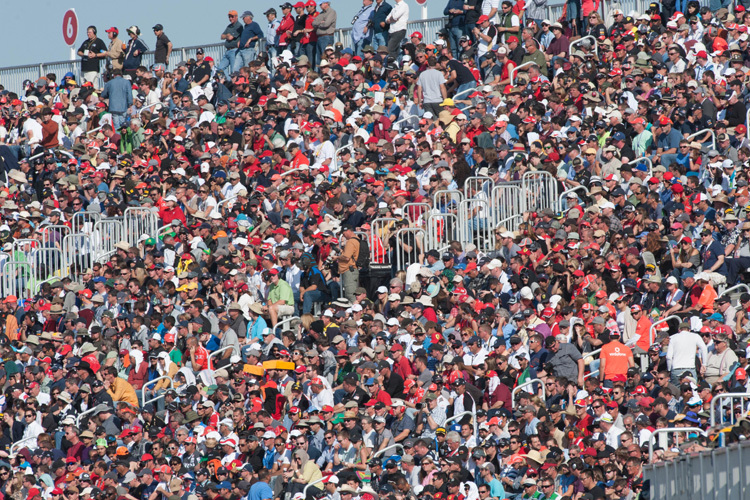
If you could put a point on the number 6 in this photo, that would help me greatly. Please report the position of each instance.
(69, 28)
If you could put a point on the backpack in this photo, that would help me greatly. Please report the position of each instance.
(363, 257)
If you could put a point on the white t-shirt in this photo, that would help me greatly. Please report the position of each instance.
(36, 130)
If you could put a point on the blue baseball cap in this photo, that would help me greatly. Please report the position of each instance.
(618, 136)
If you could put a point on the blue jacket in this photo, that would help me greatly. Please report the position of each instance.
(378, 16)
(454, 19)
(251, 30)
(120, 94)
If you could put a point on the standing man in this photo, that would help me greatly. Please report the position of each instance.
(163, 47)
(509, 24)
(115, 53)
(284, 28)
(379, 27)
(361, 32)
(230, 36)
(325, 25)
(120, 95)
(397, 19)
(431, 88)
(251, 35)
(272, 32)
(91, 51)
(348, 263)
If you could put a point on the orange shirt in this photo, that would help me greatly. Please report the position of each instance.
(708, 296)
(201, 358)
(616, 355)
(642, 328)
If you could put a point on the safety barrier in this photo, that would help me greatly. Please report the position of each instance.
(107, 233)
(52, 235)
(24, 246)
(703, 132)
(214, 353)
(77, 253)
(445, 199)
(441, 230)
(153, 382)
(475, 226)
(506, 201)
(513, 71)
(526, 384)
(406, 257)
(47, 262)
(720, 397)
(83, 222)
(650, 164)
(139, 221)
(717, 474)
(225, 204)
(667, 431)
(396, 446)
(652, 328)
(304, 490)
(561, 204)
(461, 415)
(591, 355)
(336, 153)
(381, 229)
(512, 223)
(539, 191)
(79, 417)
(476, 184)
(17, 277)
(286, 321)
(741, 286)
(16, 446)
(581, 40)
(416, 213)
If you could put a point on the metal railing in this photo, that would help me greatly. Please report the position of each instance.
(703, 132)
(144, 402)
(526, 384)
(380, 453)
(463, 414)
(591, 354)
(513, 71)
(580, 40)
(564, 195)
(650, 164)
(304, 491)
(727, 395)
(652, 328)
(16, 446)
(211, 356)
(741, 286)
(289, 320)
(79, 417)
(669, 430)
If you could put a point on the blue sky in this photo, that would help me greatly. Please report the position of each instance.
(29, 37)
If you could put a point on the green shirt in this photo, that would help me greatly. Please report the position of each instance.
(176, 356)
(281, 291)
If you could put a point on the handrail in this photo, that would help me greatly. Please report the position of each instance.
(292, 171)
(153, 382)
(725, 395)
(455, 97)
(463, 414)
(11, 452)
(704, 132)
(382, 452)
(592, 353)
(580, 40)
(339, 150)
(514, 70)
(742, 286)
(224, 202)
(80, 416)
(144, 108)
(212, 354)
(526, 384)
(652, 328)
(304, 491)
(564, 194)
(407, 117)
(673, 430)
(650, 164)
(289, 320)
(747, 122)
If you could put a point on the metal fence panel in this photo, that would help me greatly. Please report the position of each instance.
(77, 254)
(478, 183)
(107, 233)
(17, 279)
(447, 200)
(539, 191)
(441, 230)
(380, 231)
(409, 244)
(475, 224)
(139, 221)
(83, 222)
(506, 201)
(52, 236)
(47, 263)
(24, 246)
(416, 213)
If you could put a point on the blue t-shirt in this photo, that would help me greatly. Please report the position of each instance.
(260, 491)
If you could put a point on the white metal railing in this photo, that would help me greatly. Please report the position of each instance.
(719, 397)
(304, 491)
(289, 320)
(703, 132)
(79, 417)
(526, 384)
(741, 286)
(650, 164)
(747, 121)
(652, 328)
(16, 446)
(564, 195)
(396, 446)
(214, 353)
(293, 170)
(513, 71)
(462, 415)
(669, 430)
(223, 204)
(591, 354)
(580, 40)
(144, 401)
(539, 191)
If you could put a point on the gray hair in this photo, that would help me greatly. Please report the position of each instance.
(453, 436)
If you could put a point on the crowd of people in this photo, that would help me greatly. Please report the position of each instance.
(286, 331)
